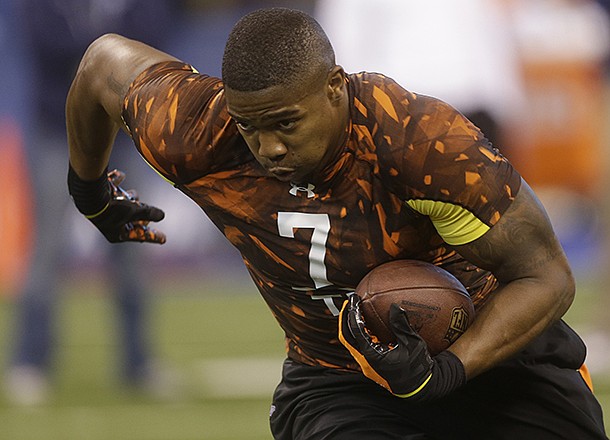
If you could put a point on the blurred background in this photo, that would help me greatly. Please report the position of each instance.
(172, 341)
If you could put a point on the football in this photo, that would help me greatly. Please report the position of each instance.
(437, 305)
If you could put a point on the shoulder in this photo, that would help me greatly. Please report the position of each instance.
(403, 116)
(385, 97)
(375, 95)
(178, 120)
(170, 79)
(430, 155)
(406, 128)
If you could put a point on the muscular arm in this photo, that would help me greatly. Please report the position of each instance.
(93, 107)
(537, 286)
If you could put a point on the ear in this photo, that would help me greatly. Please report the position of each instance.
(336, 84)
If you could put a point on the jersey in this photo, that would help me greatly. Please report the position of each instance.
(412, 175)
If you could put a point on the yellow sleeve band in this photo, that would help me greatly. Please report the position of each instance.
(455, 224)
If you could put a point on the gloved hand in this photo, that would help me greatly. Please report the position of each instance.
(117, 213)
(405, 368)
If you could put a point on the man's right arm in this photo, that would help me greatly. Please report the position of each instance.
(94, 103)
(93, 118)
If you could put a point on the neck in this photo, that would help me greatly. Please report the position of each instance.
(332, 162)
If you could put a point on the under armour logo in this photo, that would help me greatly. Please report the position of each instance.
(296, 188)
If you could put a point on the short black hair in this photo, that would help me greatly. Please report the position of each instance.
(275, 46)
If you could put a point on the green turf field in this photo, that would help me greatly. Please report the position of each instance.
(221, 345)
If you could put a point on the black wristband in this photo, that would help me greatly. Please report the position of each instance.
(91, 197)
(452, 372)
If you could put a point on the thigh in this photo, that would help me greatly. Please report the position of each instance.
(317, 404)
(537, 395)
(538, 402)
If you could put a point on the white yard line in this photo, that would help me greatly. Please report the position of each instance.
(238, 377)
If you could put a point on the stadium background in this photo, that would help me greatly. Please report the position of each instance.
(220, 347)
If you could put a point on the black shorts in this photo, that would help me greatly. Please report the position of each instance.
(538, 395)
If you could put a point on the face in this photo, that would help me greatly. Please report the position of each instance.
(292, 132)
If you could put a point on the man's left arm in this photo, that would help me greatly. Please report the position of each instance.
(537, 286)
(536, 289)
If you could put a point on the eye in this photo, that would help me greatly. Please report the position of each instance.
(244, 126)
(288, 124)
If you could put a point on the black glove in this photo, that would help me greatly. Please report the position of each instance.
(405, 368)
(115, 212)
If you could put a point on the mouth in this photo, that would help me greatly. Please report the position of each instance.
(282, 173)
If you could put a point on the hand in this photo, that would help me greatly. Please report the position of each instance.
(126, 218)
(122, 216)
(405, 368)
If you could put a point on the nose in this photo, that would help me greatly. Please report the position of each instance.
(270, 146)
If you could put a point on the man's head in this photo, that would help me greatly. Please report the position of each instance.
(285, 92)
(276, 46)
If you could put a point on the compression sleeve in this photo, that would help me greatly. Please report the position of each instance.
(454, 223)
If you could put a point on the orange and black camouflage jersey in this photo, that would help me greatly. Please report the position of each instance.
(412, 176)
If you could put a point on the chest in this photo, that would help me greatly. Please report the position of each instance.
(308, 237)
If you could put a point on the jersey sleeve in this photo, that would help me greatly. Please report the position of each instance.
(178, 121)
(441, 165)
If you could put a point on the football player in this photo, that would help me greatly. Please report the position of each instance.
(317, 176)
